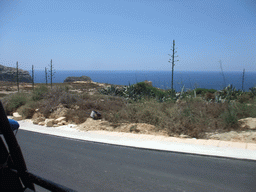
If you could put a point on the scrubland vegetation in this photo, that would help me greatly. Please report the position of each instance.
(192, 112)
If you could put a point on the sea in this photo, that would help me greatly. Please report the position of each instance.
(161, 79)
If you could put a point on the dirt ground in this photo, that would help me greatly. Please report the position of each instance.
(244, 136)
(247, 136)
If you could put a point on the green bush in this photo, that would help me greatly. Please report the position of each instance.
(203, 90)
(230, 117)
(68, 99)
(39, 92)
(14, 101)
(209, 96)
(28, 110)
(243, 98)
(252, 92)
(137, 92)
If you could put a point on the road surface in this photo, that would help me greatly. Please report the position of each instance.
(90, 166)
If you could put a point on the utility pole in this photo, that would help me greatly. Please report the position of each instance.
(172, 61)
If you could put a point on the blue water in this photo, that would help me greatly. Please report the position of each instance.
(160, 79)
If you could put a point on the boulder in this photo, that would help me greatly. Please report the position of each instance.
(42, 123)
(72, 79)
(59, 111)
(60, 119)
(10, 74)
(17, 116)
(62, 123)
(59, 124)
(49, 122)
(38, 120)
(248, 122)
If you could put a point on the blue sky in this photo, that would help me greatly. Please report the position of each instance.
(128, 34)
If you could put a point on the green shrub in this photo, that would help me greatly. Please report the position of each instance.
(230, 117)
(252, 92)
(212, 90)
(245, 110)
(39, 92)
(230, 93)
(137, 92)
(14, 101)
(243, 98)
(68, 99)
(209, 96)
(28, 110)
(203, 91)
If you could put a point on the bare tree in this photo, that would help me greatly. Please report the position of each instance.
(224, 79)
(46, 76)
(33, 77)
(51, 72)
(243, 80)
(17, 76)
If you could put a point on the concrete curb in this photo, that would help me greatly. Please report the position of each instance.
(215, 148)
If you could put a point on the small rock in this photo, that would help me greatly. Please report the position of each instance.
(41, 123)
(62, 123)
(71, 125)
(17, 116)
(60, 119)
(184, 136)
(49, 122)
(39, 119)
(75, 107)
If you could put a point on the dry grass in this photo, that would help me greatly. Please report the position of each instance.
(194, 117)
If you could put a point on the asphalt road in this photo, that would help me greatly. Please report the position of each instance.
(89, 166)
